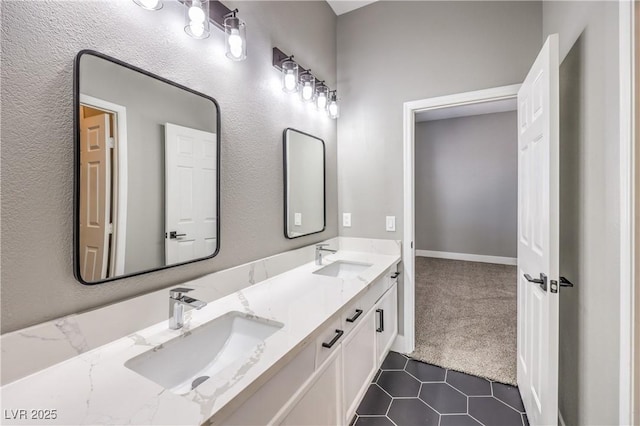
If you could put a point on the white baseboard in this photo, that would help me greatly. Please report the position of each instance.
(468, 257)
(400, 344)
(561, 419)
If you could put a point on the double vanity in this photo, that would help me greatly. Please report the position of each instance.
(298, 348)
(291, 339)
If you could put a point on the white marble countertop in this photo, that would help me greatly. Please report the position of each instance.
(96, 387)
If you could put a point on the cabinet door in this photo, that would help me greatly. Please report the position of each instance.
(386, 313)
(321, 403)
(359, 362)
(266, 402)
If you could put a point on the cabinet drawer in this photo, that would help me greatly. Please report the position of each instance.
(353, 314)
(377, 289)
(326, 337)
(356, 310)
(393, 274)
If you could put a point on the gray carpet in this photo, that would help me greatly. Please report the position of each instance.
(466, 317)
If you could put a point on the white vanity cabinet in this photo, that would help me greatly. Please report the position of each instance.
(347, 353)
(359, 362)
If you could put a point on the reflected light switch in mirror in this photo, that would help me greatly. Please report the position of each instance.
(297, 219)
(346, 220)
(391, 223)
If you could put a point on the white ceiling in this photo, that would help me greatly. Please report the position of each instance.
(343, 6)
(467, 110)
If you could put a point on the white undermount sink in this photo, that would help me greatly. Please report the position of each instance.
(185, 362)
(343, 269)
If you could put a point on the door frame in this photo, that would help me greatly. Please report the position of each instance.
(120, 177)
(629, 194)
(406, 342)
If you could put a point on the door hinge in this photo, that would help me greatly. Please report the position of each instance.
(112, 143)
(554, 286)
(111, 228)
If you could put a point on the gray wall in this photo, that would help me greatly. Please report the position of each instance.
(441, 48)
(150, 104)
(589, 210)
(37, 142)
(466, 185)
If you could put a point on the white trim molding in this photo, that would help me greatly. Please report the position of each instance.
(499, 260)
(408, 338)
(561, 419)
(406, 342)
(627, 214)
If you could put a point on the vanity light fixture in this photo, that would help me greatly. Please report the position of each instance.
(149, 4)
(322, 95)
(295, 78)
(290, 75)
(333, 109)
(196, 23)
(200, 14)
(307, 86)
(235, 37)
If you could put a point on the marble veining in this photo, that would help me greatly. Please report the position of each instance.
(40, 346)
(73, 334)
(95, 387)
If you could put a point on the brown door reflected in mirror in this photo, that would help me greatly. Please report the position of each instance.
(95, 199)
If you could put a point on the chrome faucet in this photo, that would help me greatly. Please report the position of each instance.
(319, 249)
(177, 300)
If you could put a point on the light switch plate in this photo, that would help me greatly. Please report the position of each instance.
(391, 223)
(297, 219)
(346, 220)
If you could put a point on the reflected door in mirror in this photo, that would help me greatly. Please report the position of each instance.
(190, 193)
(95, 200)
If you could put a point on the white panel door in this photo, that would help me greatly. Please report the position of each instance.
(538, 240)
(190, 193)
(95, 175)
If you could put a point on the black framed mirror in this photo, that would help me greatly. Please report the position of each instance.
(147, 171)
(304, 184)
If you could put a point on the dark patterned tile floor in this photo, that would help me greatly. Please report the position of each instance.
(406, 392)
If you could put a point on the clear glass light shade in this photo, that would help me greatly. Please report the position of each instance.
(235, 37)
(333, 109)
(289, 77)
(307, 87)
(149, 4)
(322, 97)
(196, 18)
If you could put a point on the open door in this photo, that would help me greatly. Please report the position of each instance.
(190, 194)
(95, 173)
(538, 239)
